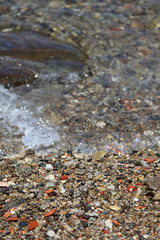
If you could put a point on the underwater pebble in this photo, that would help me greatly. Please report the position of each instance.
(98, 155)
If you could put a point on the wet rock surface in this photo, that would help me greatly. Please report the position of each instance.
(16, 75)
(29, 45)
(37, 47)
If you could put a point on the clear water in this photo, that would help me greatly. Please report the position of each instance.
(117, 106)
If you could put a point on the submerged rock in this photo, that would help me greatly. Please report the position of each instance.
(28, 45)
(16, 75)
(37, 47)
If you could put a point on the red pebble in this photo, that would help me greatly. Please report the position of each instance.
(64, 177)
(115, 222)
(102, 192)
(105, 231)
(115, 29)
(139, 184)
(131, 188)
(12, 219)
(22, 232)
(141, 207)
(11, 230)
(149, 159)
(33, 224)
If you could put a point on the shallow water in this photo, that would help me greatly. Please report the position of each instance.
(112, 103)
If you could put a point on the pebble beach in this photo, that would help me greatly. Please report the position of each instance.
(79, 120)
(77, 196)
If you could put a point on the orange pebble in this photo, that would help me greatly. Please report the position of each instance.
(23, 232)
(64, 177)
(149, 159)
(131, 188)
(115, 222)
(12, 230)
(50, 212)
(49, 191)
(33, 224)
(12, 219)
(7, 214)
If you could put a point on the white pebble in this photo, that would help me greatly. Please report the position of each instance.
(111, 187)
(148, 133)
(109, 224)
(136, 199)
(50, 177)
(50, 233)
(101, 124)
(49, 167)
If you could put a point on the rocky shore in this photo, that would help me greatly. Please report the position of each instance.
(79, 120)
(77, 196)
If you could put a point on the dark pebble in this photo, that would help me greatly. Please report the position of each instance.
(71, 192)
(68, 215)
(84, 224)
(41, 164)
(2, 213)
(23, 224)
(150, 194)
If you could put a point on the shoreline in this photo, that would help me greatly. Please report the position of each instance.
(78, 196)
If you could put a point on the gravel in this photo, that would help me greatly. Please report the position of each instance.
(108, 197)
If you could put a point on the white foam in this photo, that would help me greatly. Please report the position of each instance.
(18, 119)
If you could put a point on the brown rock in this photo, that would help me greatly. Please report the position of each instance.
(15, 76)
(153, 183)
(35, 46)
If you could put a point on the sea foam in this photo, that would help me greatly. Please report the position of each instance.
(17, 118)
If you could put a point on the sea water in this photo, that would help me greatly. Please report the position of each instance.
(17, 118)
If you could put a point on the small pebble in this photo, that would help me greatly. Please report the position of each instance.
(98, 155)
(33, 224)
(50, 177)
(109, 224)
(49, 167)
(50, 233)
(115, 208)
(157, 196)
